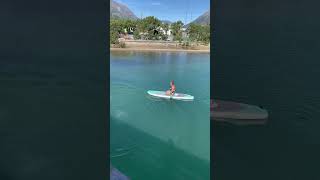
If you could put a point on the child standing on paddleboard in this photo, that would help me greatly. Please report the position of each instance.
(172, 89)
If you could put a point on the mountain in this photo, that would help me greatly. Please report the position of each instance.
(119, 10)
(204, 19)
(166, 21)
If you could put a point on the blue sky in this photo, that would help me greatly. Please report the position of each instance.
(171, 10)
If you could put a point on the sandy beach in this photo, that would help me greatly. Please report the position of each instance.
(162, 46)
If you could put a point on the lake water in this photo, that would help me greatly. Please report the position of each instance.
(266, 54)
(156, 138)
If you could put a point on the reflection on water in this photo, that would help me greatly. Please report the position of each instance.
(169, 132)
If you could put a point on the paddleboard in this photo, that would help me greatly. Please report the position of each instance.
(177, 96)
(237, 113)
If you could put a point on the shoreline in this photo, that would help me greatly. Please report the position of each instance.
(161, 50)
(159, 46)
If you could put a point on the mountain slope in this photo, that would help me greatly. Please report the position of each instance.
(204, 19)
(118, 10)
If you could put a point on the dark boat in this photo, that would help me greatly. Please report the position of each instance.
(237, 113)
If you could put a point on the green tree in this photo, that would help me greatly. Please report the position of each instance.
(177, 30)
(115, 30)
(139, 28)
(205, 34)
(113, 38)
(121, 26)
(197, 32)
(151, 26)
(129, 24)
(193, 31)
(165, 28)
(136, 34)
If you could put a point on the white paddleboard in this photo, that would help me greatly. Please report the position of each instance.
(177, 96)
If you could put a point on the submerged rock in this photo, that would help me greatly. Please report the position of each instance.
(115, 174)
(237, 113)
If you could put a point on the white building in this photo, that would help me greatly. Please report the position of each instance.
(168, 32)
(129, 30)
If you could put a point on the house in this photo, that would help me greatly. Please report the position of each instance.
(129, 30)
(168, 32)
(128, 34)
(184, 32)
(159, 30)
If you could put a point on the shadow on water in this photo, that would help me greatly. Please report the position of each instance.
(142, 156)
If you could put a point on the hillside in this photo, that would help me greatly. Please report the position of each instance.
(204, 19)
(118, 10)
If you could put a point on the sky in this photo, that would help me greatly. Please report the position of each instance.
(172, 10)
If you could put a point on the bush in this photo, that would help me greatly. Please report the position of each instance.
(199, 33)
(163, 36)
(136, 35)
(114, 38)
(122, 44)
(185, 44)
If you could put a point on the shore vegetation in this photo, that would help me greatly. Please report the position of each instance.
(151, 28)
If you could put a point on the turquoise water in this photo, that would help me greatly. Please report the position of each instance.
(156, 138)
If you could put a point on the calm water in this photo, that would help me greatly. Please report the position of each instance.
(155, 138)
(268, 59)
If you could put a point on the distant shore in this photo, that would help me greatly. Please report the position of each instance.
(162, 50)
(163, 46)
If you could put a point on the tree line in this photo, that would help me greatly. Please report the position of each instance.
(150, 28)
